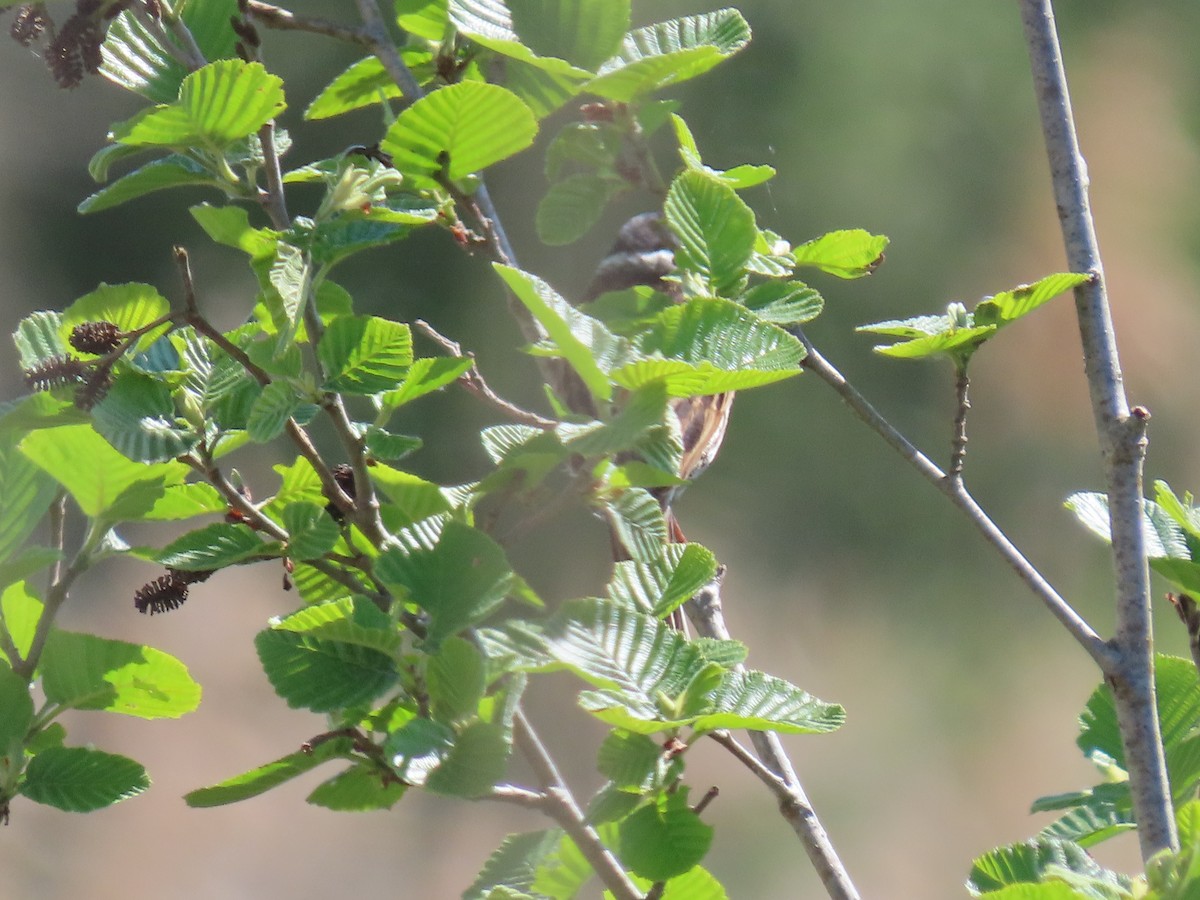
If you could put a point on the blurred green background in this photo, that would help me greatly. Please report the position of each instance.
(847, 574)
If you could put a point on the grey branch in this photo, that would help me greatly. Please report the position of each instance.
(558, 803)
(772, 765)
(954, 489)
(1122, 437)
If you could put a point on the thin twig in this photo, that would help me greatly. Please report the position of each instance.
(194, 56)
(473, 381)
(285, 20)
(1122, 436)
(704, 802)
(560, 805)
(519, 796)
(773, 766)
(958, 454)
(298, 435)
(480, 205)
(747, 758)
(273, 200)
(58, 535)
(182, 55)
(56, 596)
(1083, 633)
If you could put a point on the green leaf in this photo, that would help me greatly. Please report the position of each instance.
(185, 501)
(38, 338)
(722, 333)
(759, 702)
(21, 610)
(358, 789)
(665, 838)
(846, 254)
(128, 306)
(662, 584)
(716, 230)
(102, 160)
(1173, 552)
(76, 779)
(489, 23)
(456, 680)
(634, 658)
(264, 778)
(353, 232)
(230, 225)
(16, 709)
(578, 337)
(572, 206)
(135, 59)
(638, 523)
(1090, 824)
(365, 354)
(365, 83)
(311, 531)
(102, 481)
(347, 620)
(137, 416)
(1008, 306)
(383, 444)
(83, 671)
(630, 761)
(158, 175)
(290, 275)
(417, 747)
(562, 872)
(687, 379)
(423, 18)
(425, 376)
(784, 302)
(739, 177)
(1033, 862)
(218, 104)
(321, 675)
(28, 561)
(583, 32)
(459, 581)
(273, 406)
(26, 493)
(215, 546)
(694, 884)
(477, 760)
(643, 410)
(659, 55)
(953, 340)
(1178, 698)
(959, 333)
(461, 129)
(412, 496)
(726, 653)
(514, 863)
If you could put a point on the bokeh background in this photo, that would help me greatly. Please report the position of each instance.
(847, 574)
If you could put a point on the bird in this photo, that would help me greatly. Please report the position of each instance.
(644, 254)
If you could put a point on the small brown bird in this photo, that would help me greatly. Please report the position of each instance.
(644, 254)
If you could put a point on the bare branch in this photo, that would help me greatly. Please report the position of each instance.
(1083, 633)
(958, 455)
(273, 201)
(772, 765)
(285, 20)
(560, 805)
(472, 380)
(1122, 436)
